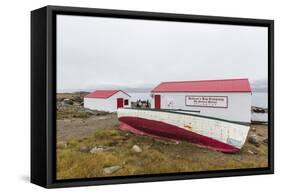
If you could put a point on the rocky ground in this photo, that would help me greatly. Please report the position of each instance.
(89, 144)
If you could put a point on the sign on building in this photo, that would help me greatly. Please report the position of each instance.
(207, 101)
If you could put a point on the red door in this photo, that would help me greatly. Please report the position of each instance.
(120, 103)
(157, 101)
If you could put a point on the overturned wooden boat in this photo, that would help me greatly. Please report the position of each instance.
(214, 133)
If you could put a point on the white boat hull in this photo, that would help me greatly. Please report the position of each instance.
(218, 134)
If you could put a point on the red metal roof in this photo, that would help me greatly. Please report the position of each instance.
(227, 85)
(103, 93)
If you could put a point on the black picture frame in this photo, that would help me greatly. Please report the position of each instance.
(43, 95)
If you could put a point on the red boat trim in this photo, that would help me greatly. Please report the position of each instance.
(125, 127)
(143, 126)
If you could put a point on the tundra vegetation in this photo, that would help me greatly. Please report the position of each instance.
(90, 144)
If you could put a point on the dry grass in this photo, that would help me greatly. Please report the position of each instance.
(72, 112)
(158, 156)
(76, 127)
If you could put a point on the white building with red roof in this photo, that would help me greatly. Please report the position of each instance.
(107, 100)
(228, 99)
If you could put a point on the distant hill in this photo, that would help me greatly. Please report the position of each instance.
(257, 86)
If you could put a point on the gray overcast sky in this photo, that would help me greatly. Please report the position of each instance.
(95, 52)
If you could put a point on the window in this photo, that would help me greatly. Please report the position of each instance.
(126, 102)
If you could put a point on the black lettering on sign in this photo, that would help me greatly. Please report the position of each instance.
(207, 101)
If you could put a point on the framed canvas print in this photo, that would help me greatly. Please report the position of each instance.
(125, 96)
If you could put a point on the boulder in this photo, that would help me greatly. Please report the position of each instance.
(258, 110)
(251, 152)
(84, 149)
(76, 103)
(253, 139)
(136, 148)
(68, 101)
(77, 99)
(111, 169)
(59, 105)
(61, 144)
(95, 150)
(265, 140)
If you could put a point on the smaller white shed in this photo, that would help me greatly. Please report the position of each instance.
(107, 100)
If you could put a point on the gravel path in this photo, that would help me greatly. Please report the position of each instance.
(79, 128)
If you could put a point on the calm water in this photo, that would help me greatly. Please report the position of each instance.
(260, 99)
